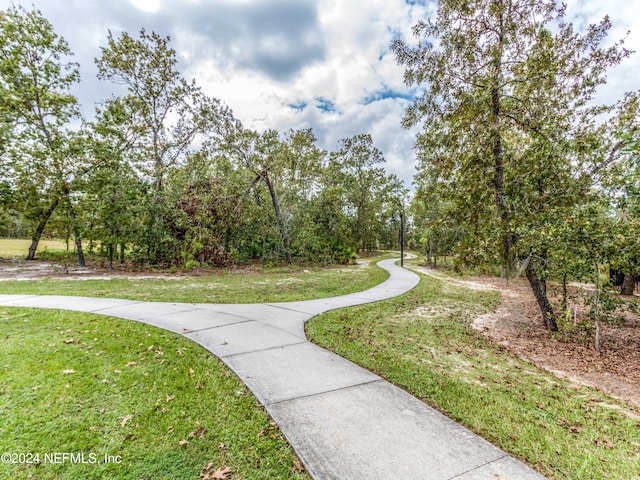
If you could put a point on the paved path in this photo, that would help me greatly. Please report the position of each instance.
(344, 422)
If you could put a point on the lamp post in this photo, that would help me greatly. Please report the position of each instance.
(393, 219)
(401, 239)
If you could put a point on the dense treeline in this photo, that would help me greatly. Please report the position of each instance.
(519, 166)
(165, 174)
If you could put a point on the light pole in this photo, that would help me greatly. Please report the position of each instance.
(401, 239)
(393, 219)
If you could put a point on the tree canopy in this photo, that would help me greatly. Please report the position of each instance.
(512, 143)
(164, 174)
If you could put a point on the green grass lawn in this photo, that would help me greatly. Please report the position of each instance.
(18, 247)
(423, 342)
(223, 286)
(159, 403)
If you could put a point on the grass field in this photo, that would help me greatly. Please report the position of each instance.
(17, 247)
(218, 287)
(249, 285)
(423, 342)
(161, 405)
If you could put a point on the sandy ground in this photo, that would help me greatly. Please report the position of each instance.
(517, 325)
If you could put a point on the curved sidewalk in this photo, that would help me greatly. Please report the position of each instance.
(344, 422)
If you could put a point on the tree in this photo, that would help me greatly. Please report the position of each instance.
(35, 99)
(114, 192)
(366, 188)
(171, 115)
(508, 125)
(282, 165)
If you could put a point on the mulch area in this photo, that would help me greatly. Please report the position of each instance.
(517, 326)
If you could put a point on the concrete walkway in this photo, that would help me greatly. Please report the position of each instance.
(344, 422)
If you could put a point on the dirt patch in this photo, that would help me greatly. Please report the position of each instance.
(517, 326)
(21, 270)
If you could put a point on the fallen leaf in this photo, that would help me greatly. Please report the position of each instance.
(191, 372)
(68, 372)
(170, 429)
(186, 330)
(219, 474)
(117, 371)
(125, 420)
(297, 467)
(71, 340)
(604, 443)
(170, 397)
(93, 429)
(200, 385)
(131, 364)
(183, 442)
(199, 432)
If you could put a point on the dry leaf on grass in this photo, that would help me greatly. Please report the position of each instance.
(125, 420)
(199, 433)
(297, 467)
(69, 372)
(219, 474)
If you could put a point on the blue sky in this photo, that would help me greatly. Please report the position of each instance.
(288, 64)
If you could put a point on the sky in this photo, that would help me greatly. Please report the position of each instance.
(290, 64)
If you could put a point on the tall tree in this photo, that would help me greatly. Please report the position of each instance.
(170, 113)
(282, 165)
(114, 190)
(507, 121)
(35, 99)
(357, 167)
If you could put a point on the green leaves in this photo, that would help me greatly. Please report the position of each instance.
(34, 76)
(512, 143)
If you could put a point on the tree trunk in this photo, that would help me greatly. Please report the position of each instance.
(280, 218)
(35, 239)
(628, 285)
(596, 307)
(76, 234)
(112, 248)
(565, 292)
(540, 292)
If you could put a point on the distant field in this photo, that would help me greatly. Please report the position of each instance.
(18, 247)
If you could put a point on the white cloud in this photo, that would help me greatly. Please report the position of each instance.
(151, 6)
(287, 64)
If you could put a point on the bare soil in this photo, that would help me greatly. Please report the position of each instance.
(517, 326)
(22, 270)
